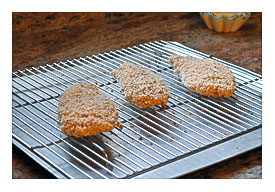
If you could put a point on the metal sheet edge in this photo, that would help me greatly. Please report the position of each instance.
(207, 157)
(40, 161)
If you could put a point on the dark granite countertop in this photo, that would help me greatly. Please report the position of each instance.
(44, 38)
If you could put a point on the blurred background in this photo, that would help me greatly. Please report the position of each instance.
(44, 38)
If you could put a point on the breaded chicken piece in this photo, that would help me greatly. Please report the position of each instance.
(141, 87)
(85, 111)
(205, 76)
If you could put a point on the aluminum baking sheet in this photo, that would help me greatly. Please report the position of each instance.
(152, 140)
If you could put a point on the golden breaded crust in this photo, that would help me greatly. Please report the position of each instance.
(85, 111)
(205, 76)
(141, 87)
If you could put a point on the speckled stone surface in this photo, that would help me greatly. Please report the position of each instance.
(44, 38)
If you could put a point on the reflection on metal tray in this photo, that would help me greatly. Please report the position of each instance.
(189, 133)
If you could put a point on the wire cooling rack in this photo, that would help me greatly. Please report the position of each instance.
(158, 142)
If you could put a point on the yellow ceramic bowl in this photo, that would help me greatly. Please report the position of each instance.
(224, 21)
